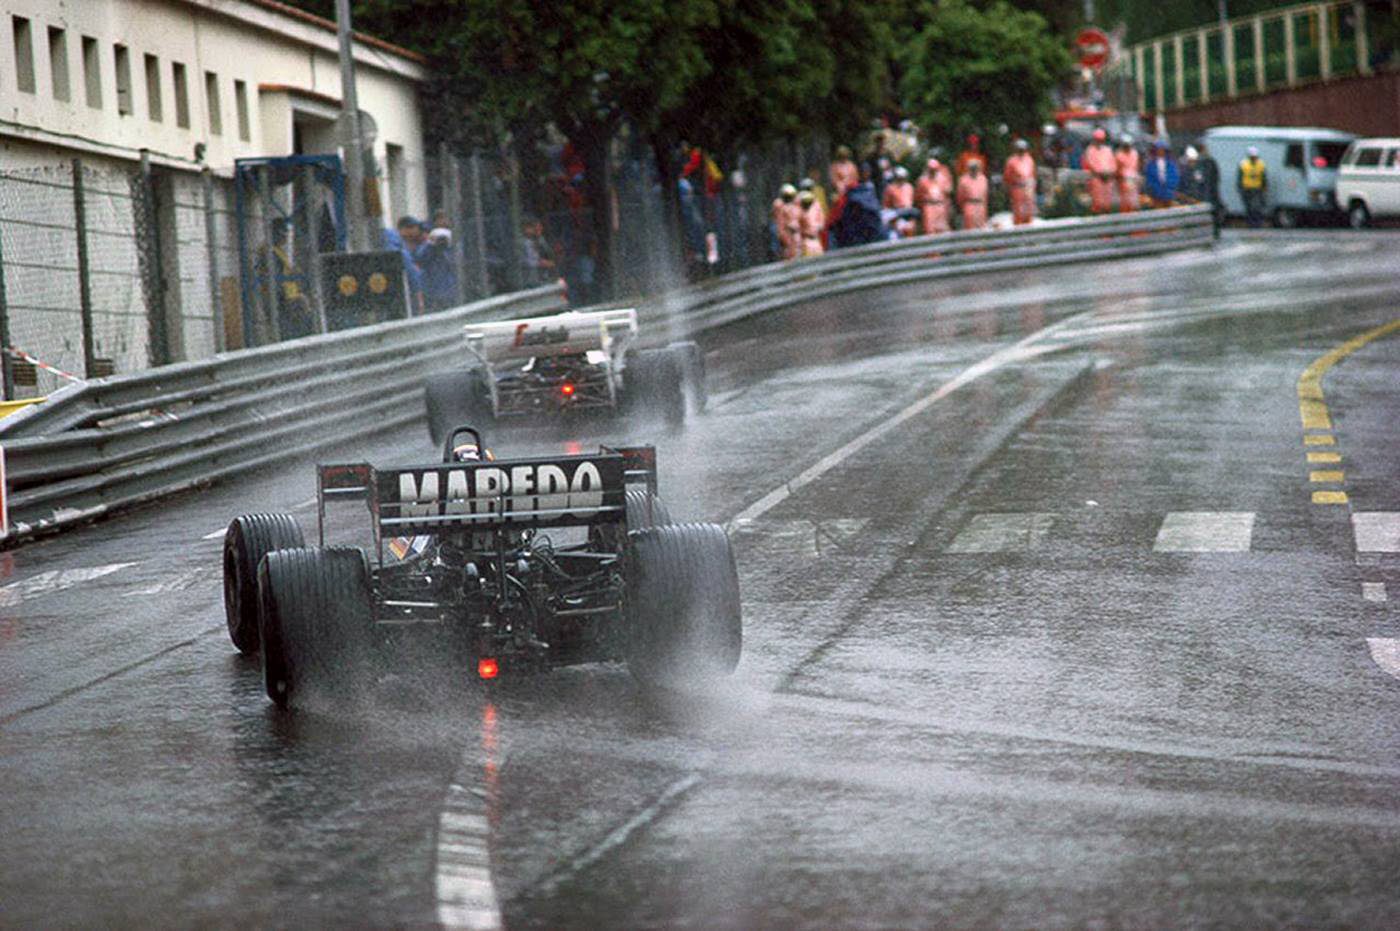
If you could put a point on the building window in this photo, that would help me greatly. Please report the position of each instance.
(123, 59)
(92, 72)
(211, 101)
(182, 95)
(58, 64)
(153, 102)
(240, 102)
(24, 54)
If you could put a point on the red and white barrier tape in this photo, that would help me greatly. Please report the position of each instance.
(21, 354)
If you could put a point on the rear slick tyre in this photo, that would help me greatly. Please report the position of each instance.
(645, 510)
(317, 620)
(248, 539)
(685, 625)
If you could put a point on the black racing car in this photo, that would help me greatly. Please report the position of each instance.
(513, 565)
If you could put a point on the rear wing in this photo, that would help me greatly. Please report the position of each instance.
(573, 333)
(562, 491)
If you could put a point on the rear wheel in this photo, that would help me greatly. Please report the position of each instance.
(317, 619)
(1358, 216)
(683, 614)
(645, 510)
(248, 539)
(655, 383)
(1285, 218)
(456, 398)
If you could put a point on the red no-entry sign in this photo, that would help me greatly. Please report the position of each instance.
(1092, 47)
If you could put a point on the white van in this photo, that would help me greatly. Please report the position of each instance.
(1368, 184)
(1301, 165)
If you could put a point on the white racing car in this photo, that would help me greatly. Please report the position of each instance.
(569, 363)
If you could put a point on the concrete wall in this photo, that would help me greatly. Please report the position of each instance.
(1368, 105)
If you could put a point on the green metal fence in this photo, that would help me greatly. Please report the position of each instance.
(1280, 48)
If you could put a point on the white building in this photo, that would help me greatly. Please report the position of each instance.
(195, 84)
(238, 78)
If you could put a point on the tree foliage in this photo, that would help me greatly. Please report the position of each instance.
(968, 69)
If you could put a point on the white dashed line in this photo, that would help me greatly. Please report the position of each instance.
(1002, 533)
(177, 583)
(1376, 531)
(466, 893)
(1386, 652)
(1205, 532)
(56, 580)
(1373, 591)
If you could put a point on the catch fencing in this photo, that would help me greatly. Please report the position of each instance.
(107, 270)
(112, 443)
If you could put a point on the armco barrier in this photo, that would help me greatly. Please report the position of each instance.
(110, 443)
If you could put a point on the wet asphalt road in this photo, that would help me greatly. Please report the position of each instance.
(1067, 644)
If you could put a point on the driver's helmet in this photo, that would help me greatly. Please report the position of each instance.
(470, 452)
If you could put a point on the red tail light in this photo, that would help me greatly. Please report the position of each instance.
(487, 668)
(1319, 162)
(567, 389)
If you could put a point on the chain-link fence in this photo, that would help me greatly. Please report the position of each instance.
(107, 270)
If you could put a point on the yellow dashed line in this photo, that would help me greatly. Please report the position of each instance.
(1314, 414)
(1312, 410)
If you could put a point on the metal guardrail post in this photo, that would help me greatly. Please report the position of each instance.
(1290, 50)
(1261, 77)
(312, 200)
(7, 376)
(1160, 91)
(211, 258)
(84, 272)
(1324, 41)
(148, 220)
(481, 277)
(1363, 41)
(1227, 45)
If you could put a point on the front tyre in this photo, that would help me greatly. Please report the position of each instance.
(248, 539)
(683, 614)
(317, 619)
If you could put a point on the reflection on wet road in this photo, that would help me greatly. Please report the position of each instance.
(1043, 628)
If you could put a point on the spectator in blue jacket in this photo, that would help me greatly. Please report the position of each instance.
(404, 238)
(856, 218)
(1161, 177)
(434, 259)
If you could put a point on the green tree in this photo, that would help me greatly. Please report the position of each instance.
(972, 69)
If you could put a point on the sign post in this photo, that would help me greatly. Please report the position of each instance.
(4, 498)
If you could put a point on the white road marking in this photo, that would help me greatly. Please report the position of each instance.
(1376, 531)
(466, 893)
(177, 583)
(216, 534)
(55, 580)
(1205, 532)
(1386, 652)
(619, 835)
(1021, 351)
(1002, 533)
(1373, 591)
